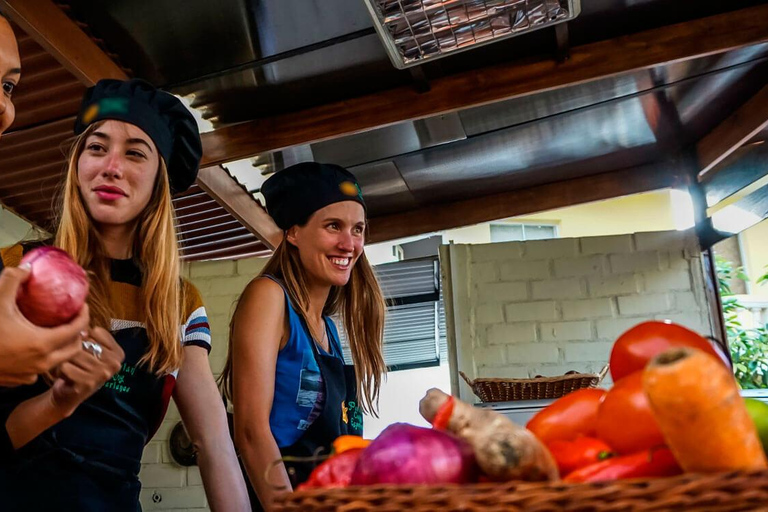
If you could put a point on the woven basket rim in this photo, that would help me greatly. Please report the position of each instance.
(559, 378)
(513, 485)
(596, 495)
(533, 380)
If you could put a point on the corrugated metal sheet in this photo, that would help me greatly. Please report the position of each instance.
(406, 278)
(33, 159)
(414, 333)
(207, 231)
(409, 336)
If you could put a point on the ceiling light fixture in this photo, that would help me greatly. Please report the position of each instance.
(415, 31)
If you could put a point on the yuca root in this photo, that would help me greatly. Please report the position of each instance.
(504, 451)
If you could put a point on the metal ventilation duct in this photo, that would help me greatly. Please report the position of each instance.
(415, 31)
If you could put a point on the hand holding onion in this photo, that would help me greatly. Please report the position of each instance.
(27, 350)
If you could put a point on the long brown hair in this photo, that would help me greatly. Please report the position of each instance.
(155, 249)
(360, 304)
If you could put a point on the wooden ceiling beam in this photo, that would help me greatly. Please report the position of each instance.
(240, 204)
(540, 198)
(626, 54)
(52, 29)
(732, 133)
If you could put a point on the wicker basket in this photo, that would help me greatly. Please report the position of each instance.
(729, 492)
(506, 390)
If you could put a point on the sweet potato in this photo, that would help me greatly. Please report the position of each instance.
(504, 450)
(697, 405)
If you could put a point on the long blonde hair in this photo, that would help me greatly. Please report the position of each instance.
(360, 304)
(155, 249)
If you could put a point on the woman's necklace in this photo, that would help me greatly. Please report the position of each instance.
(322, 340)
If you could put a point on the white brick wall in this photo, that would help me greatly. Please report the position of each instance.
(503, 334)
(518, 270)
(546, 307)
(501, 292)
(167, 486)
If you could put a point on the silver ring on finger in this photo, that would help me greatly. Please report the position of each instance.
(94, 348)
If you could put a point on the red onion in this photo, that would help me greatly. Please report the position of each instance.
(405, 454)
(56, 289)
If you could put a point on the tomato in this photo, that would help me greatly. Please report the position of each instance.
(648, 463)
(625, 420)
(568, 417)
(641, 343)
(582, 451)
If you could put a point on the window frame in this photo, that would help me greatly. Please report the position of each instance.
(555, 227)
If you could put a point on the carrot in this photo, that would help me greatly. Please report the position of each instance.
(697, 404)
(504, 451)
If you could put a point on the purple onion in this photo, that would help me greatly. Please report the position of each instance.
(56, 289)
(405, 454)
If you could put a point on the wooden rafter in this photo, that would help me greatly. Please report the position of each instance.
(237, 201)
(732, 133)
(673, 43)
(529, 200)
(62, 38)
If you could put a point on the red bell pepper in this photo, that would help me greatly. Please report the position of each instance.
(334, 472)
(656, 462)
(582, 451)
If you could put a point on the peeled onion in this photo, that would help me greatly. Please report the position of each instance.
(405, 454)
(56, 289)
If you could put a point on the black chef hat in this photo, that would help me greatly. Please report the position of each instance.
(298, 191)
(161, 115)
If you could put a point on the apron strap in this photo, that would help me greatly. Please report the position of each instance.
(335, 341)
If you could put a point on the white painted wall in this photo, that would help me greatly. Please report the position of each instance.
(400, 395)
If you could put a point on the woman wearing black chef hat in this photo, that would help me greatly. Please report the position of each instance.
(77, 444)
(291, 392)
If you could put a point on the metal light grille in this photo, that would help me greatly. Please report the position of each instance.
(414, 31)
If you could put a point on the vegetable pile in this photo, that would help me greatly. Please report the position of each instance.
(465, 445)
(674, 407)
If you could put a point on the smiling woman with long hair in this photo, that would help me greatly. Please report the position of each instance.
(77, 444)
(291, 392)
